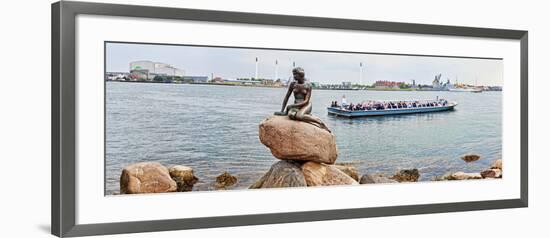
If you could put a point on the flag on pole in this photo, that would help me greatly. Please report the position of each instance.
(256, 59)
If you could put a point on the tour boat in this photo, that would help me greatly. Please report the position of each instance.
(411, 107)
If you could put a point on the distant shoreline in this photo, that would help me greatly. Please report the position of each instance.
(216, 84)
(269, 86)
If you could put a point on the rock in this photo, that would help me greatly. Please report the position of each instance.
(146, 177)
(282, 174)
(406, 175)
(317, 174)
(444, 177)
(350, 170)
(457, 176)
(375, 178)
(497, 164)
(464, 176)
(184, 177)
(295, 140)
(491, 173)
(470, 158)
(225, 180)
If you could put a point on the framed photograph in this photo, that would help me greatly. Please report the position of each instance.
(167, 118)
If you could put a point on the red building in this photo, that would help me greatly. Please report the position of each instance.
(387, 84)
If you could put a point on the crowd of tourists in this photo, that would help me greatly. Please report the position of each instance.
(384, 105)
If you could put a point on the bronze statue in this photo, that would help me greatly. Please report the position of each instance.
(301, 109)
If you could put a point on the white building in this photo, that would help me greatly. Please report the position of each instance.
(156, 68)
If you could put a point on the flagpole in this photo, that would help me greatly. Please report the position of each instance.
(360, 73)
(276, 70)
(256, 74)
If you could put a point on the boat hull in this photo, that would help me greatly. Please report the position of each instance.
(470, 90)
(398, 111)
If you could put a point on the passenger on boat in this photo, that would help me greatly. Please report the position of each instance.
(344, 101)
(367, 106)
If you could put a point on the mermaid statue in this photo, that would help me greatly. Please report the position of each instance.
(301, 109)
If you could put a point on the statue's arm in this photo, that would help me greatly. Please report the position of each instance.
(288, 92)
(308, 96)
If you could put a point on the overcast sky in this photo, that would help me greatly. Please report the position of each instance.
(322, 67)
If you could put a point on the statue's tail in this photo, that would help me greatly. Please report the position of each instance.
(318, 123)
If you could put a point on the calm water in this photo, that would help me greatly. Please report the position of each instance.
(215, 128)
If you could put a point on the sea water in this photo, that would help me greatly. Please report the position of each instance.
(214, 128)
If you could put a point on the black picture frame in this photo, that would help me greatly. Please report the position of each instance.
(63, 117)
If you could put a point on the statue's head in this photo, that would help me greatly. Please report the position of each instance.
(299, 73)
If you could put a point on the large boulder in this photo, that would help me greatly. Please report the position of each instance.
(407, 175)
(146, 177)
(375, 178)
(470, 158)
(444, 177)
(282, 174)
(491, 173)
(184, 177)
(295, 140)
(348, 169)
(464, 176)
(225, 180)
(317, 174)
(497, 164)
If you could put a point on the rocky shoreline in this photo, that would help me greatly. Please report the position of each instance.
(307, 157)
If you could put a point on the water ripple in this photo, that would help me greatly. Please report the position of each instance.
(215, 129)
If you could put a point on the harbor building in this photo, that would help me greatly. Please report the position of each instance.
(383, 84)
(119, 76)
(147, 70)
(196, 79)
(346, 85)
